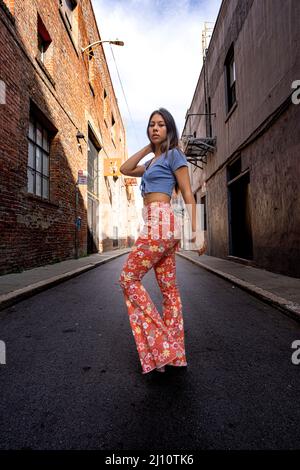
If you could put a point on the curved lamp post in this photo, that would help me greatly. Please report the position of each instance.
(97, 43)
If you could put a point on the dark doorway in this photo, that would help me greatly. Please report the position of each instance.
(240, 232)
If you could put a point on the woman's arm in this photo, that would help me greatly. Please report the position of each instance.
(131, 167)
(184, 184)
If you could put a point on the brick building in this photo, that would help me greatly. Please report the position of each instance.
(58, 116)
(242, 135)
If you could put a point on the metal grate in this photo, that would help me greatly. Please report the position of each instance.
(196, 149)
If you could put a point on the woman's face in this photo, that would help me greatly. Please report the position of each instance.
(157, 130)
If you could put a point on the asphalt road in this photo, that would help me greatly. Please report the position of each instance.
(73, 378)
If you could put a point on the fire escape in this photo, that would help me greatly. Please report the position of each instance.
(196, 148)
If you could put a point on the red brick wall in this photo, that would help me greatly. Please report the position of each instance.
(34, 231)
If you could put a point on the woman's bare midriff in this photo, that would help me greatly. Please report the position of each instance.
(151, 197)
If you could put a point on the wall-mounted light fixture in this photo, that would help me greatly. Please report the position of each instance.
(79, 136)
(93, 45)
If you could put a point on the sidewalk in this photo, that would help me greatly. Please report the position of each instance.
(281, 291)
(18, 286)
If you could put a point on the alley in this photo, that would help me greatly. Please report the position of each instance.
(73, 379)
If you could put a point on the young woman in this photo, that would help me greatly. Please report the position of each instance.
(159, 340)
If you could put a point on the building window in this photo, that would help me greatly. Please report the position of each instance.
(38, 159)
(230, 79)
(113, 130)
(105, 109)
(42, 47)
(68, 7)
(44, 41)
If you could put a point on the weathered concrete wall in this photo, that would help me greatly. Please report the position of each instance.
(265, 35)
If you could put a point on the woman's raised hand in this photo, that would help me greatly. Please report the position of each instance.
(203, 247)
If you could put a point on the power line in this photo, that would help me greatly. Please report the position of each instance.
(125, 97)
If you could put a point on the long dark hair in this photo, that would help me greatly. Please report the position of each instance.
(172, 140)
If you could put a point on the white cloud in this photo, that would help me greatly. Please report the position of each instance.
(161, 60)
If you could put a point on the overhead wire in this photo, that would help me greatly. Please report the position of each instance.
(125, 97)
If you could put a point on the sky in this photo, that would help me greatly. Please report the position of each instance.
(161, 60)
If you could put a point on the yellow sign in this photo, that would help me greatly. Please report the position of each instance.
(112, 166)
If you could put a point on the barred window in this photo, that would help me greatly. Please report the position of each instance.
(38, 159)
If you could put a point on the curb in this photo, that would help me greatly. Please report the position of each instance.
(6, 300)
(292, 309)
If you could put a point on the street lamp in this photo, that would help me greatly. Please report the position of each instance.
(97, 43)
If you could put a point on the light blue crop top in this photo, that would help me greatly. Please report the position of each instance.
(159, 177)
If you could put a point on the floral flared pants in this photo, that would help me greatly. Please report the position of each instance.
(159, 339)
